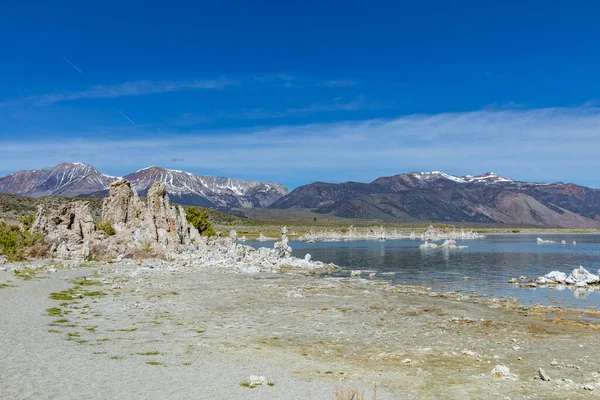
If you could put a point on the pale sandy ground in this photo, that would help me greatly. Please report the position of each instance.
(213, 330)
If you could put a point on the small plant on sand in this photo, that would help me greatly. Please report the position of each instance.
(84, 281)
(6, 285)
(149, 353)
(54, 312)
(154, 363)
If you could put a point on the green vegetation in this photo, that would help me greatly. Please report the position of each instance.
(6, 285)
(199, 220)
(54, 312)
(27, 220)
(154, 363)
(27, 273)
(64, 295)
(149, 353)
(19, 244)
(84, 281)
(106, 227)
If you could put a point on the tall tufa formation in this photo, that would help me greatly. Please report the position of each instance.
(153, 227)
(156, 223)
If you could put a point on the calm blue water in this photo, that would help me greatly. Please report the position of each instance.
(489, 262)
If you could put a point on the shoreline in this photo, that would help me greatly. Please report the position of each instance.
(317, 332)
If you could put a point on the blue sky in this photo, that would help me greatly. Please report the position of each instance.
(303, 91)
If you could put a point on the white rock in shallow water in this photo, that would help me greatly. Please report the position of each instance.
(582, 275)
(502, 372)
(552, 277)
(307, 257)
(356, 273)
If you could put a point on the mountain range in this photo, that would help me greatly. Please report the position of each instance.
(410, 197)
(82, 180)
(437, 196)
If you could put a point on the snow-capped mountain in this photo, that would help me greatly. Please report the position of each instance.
(67, 179)
(186, 188)
(82, 180)
(438, 196)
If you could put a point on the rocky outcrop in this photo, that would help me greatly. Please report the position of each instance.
(155, 229)
(67, 228)
(580, 277)
(152, 227)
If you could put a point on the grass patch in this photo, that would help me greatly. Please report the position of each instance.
(90, 329)
(201, 331)
(154, 363)
(246, 384)
(27, 273)
(60, 296)
(271, 384)
(61, 321)
(94, 294)
(73, 334)
(54, 331)
(128, 330)
(117, 357)
(84, 281)
(6, 285)
(54, 312)
(149, 353)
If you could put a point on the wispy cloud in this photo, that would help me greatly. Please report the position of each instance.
(134, 88)
(336, 105)
(339, 83)
(540, 144)
(190, 119)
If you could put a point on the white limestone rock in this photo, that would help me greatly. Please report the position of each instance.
(502, 372)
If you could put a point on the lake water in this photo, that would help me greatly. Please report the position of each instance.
(489, 262)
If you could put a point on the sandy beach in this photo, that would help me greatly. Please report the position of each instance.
(160, 330)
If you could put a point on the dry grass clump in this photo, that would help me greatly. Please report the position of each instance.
(350, 393)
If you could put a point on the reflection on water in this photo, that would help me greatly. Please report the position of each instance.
(490, 263)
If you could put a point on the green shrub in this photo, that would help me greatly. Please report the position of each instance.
(199, 220)
(27, 220)
(106, 227)
(18, 244)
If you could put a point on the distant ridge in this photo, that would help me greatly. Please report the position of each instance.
(81, 180)
(438, 196)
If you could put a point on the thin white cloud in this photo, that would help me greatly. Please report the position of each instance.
(339, 83)
(190, 119)
(134, 88)
(541, 144)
